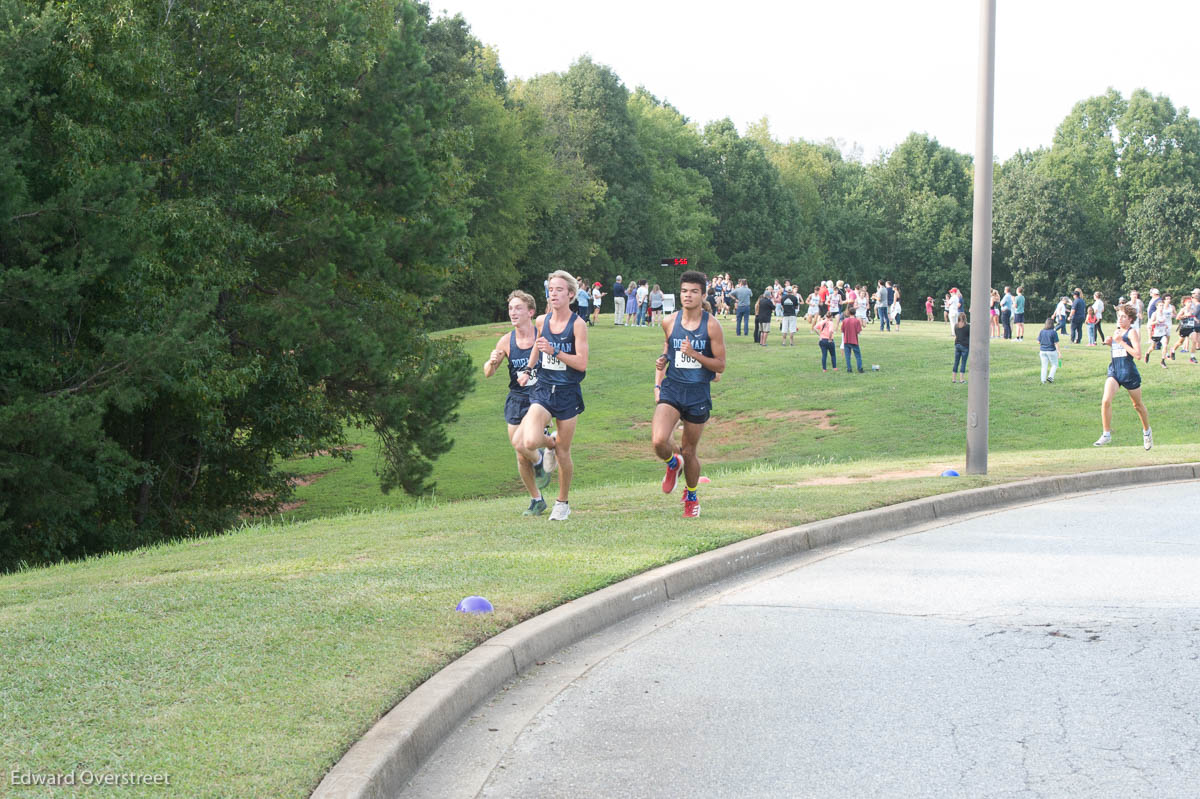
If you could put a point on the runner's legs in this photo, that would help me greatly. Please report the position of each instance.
(688, 443)
(662, 430)
(531, 435)
(566, 467)
(524, 467)
(1110, 391)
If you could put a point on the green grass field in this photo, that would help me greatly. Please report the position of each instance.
(775, 406)
(245, 664)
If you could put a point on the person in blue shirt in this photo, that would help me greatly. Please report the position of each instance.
(1048, 350)
(1078, 316)
(618, 293)
(693, 355)
(583, 302)
(1019, 313)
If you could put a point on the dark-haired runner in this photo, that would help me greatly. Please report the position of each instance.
(693, 354)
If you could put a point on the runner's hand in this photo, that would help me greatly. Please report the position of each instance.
(496, 357)
(687, 349)
(661, 362)
(542, 345)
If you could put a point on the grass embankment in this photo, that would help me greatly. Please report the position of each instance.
(775, 406)
(245, 664)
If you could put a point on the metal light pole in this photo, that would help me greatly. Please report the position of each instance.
(981, 246)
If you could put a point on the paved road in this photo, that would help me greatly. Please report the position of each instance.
(1049, 650)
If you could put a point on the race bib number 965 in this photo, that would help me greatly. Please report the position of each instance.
(685, 361)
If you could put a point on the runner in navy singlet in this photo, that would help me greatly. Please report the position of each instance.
(562, 349)
(693, 354)
(517, 347)
(1126, 347)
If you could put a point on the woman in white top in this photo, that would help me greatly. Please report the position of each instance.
(1098, 308)
(597, 295)
(814, 307)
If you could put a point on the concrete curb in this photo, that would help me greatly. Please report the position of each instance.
(382, 762)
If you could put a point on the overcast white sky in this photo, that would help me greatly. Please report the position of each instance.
(861, 71)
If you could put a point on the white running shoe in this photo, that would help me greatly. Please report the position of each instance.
(1148, 438)
(1105, 438)
(550, 458)
(561, 511)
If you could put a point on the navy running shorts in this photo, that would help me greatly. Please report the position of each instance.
(1018, 319)
(694, 402)
(516, 406)
(1127, 377)
(563, 401)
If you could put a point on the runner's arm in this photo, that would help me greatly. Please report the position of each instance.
(498, 354)
(662, 360)
(1134, 348)
(716, 336)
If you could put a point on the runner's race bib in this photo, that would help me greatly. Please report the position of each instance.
(550, 361)
(685, 361)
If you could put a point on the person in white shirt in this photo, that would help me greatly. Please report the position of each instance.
(1098, 309)
(1135, 302)
(1160, 328)
(1060, 316)
(954, 307)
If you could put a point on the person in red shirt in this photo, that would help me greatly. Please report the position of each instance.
(851, 327)
(823, 296)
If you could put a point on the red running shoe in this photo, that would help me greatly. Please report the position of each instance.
(691, 508)
(672, 475)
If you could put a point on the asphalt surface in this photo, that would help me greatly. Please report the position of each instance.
(1047, 650)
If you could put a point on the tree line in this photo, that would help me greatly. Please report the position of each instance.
(227, 231)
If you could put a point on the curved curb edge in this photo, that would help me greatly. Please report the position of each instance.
(382, 762)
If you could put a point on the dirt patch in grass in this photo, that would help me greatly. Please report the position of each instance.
(742, 437)
(296, 481)
(306, 479)
(822, 420)
(898, 474)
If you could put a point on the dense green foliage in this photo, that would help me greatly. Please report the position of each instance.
(226, 229)
(220, 227)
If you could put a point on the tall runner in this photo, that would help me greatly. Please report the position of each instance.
(693, 354)
(1126, 346)
(517, 347)
(562, 346)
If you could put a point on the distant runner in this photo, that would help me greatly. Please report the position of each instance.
(693, 354)
(517, 347)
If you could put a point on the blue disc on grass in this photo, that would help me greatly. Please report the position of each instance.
(474, 604)
(949, 473)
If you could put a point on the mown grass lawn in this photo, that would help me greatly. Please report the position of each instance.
(245, 664)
